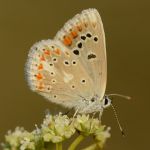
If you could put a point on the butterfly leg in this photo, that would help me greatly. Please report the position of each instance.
(93, 115)
(100, 114)
(75, 113)
(66, 113)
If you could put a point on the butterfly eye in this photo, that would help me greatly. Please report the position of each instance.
(106, 102)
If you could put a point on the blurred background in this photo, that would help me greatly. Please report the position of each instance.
(127, 29)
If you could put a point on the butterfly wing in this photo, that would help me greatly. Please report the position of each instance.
(53, 72)
(84, 37)
(72, 67)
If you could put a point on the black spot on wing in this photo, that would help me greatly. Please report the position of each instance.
(95, 39)
(91, 56)
(83, 37)
(88, 35)
(76, 52)
(79, 45)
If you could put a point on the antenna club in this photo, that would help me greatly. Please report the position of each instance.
(120, 95)
(123, 134)
(128, 97)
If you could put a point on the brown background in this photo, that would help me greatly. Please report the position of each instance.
(127, 28)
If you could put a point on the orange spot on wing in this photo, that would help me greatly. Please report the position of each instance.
(47, 52)
(74, 34)
(57, 51)
(40, 86)
(40, 67)
(42, 58)
(39, 76)
(67, 41)
(79, 28)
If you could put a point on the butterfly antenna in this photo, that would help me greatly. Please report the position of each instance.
(120, 95)
(116, 116)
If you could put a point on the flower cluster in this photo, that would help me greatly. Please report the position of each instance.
(19, 139)
(55, 129)
(88, 126)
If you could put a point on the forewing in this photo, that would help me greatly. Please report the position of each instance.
(53, 72)
(84, 37)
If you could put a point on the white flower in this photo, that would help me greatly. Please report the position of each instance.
(13, 138)
(86, 125)
(27, 143)
(21, 139)
(57, 128)
(101, 135)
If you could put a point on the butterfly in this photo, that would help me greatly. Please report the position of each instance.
(71, 69)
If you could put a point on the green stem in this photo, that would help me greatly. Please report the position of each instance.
(76, 142)
(59, 146)
(91, 147)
